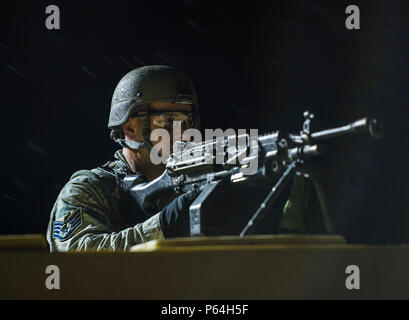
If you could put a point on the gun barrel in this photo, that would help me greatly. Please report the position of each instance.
(370, 125)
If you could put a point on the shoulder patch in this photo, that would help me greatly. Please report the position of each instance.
(62, 230)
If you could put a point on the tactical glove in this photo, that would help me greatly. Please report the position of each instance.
(174, 218)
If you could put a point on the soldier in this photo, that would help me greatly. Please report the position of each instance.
(92, 211)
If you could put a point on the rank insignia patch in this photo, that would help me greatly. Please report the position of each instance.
(63, 230)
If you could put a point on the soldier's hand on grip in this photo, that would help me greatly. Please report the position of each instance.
(174, 218)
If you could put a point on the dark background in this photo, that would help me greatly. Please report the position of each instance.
(255, 64)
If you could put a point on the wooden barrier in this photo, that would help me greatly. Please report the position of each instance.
(256, 267)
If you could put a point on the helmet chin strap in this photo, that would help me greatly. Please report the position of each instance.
(131, 144)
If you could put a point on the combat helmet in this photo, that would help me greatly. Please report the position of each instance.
(145, 85)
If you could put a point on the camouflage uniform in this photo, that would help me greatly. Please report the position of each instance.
(93, 212)
(87, 216)
(98, 214)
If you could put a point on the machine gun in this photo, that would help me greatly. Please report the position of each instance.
(232, 202)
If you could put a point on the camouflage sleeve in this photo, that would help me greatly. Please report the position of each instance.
(79, 221)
